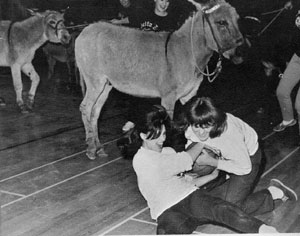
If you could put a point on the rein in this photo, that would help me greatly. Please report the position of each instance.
(77, 26)
(278, 11)
(218, 68)
(271, 21)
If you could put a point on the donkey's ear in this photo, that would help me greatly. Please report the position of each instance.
(64, 10)
(33, 11)
(196, 4)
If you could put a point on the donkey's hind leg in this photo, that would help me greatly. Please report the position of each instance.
(95, 115)
(29, 70)
(90, 109)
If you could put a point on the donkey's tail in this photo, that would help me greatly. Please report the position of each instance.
(82, 84)
(80, 79)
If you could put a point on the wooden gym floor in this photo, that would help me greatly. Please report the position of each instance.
(48, 186)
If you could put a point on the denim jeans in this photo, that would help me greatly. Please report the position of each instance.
(200, 208)
(238, 189)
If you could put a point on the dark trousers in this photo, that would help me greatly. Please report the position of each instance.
(201, 208)
(238, 189)
(234, 198)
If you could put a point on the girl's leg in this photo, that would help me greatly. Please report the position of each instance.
(239, 190)
(206, 208)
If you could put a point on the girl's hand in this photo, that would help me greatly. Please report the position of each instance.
(215, 173)
(205, 158)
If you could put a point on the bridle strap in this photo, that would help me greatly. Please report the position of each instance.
(212, 30)
(218, 68)
(56, 25)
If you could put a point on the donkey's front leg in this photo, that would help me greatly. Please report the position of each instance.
(18, 86)
(29, 70)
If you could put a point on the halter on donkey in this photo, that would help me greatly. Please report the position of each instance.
(20, 40)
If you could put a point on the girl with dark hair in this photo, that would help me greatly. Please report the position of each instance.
(180, 204)
(237, 144)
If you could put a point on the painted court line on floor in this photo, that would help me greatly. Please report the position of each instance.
(143, 221)
(280, 162)
(51, 163)
(58, 183)
(40, 167)
(11, 193)
(120, 223)
(268, 135)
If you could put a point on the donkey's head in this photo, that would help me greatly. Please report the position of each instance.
(221, 26)
(54, 28)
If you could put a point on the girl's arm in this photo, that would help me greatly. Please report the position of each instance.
(194, 150)
(200, 181)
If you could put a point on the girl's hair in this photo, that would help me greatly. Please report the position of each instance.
(201, 111)
(151, 125)
(154, 120)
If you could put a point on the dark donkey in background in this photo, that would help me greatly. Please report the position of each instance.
(151, 64)
(63, 53)
(20, 40)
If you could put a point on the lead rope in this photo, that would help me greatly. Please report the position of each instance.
(218, 68)
(274, 18)
(278, 11)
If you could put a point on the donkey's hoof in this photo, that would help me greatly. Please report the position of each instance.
(23, 109)
(91, 155)
(30, 107)
(29, 104)
(101, 153)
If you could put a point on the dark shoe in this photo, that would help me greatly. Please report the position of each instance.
(260, 110)
(281, 126)
(289, 194)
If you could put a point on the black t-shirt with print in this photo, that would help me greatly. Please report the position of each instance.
(153, 22)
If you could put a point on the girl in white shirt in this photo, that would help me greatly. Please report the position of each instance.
(237, 143)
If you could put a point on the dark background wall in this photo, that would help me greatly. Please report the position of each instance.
(93, 10)
(86, 11)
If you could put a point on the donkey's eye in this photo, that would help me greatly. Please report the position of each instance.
(222, 23)
(52, 22)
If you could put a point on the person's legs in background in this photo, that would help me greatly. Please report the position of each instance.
(297, 106)
(288, 81)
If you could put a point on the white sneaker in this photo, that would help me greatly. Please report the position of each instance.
(266, 229)
(128, 126)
